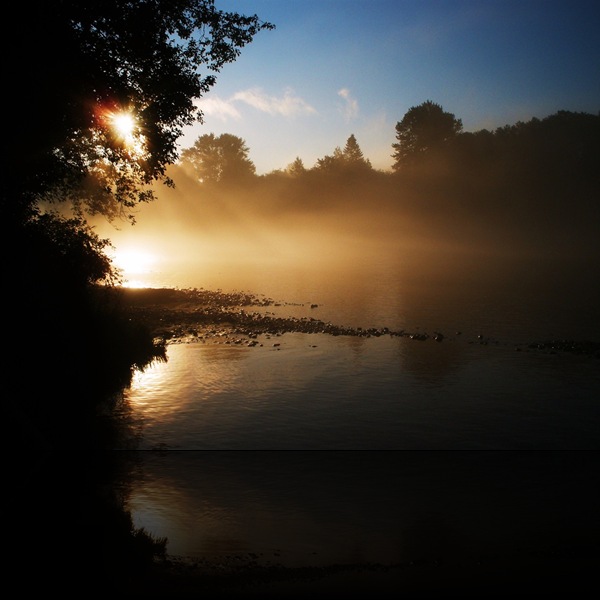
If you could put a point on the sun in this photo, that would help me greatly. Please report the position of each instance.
(135, 265)
(123, 123)
(134, 261)
(125, 127)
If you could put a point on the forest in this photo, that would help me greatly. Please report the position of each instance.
(533, 185)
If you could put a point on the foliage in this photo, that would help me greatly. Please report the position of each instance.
(346, 161)
(296, 168)
(71, 68)
(423, 129)
(534, 183)
(94, 60)
(152, 58)
(542, 158)
(222, 159)
(352, 152)
(58, 247)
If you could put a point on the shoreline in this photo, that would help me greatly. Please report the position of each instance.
(197, 315)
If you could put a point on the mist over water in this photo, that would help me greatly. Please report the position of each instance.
(369, 254)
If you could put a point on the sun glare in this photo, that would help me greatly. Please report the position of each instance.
(126, 128)
(134, 266)
(124, 124)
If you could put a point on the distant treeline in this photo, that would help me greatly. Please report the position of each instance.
(566, 142)
(537, 181)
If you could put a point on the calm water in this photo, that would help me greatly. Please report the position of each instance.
(310, 448)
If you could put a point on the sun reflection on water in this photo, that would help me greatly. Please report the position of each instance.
(195, 378)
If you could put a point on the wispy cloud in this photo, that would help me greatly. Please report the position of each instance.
(219, 108)
(287, 105)
(350, 107)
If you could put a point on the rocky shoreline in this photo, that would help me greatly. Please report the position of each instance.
(239, 318)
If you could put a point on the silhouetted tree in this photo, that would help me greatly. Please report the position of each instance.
(344, 161)
(71, 69)
(94, 60)
(353, 155)
(222, 159)
(296, 168)
(97, 60)
(470, 149)
(563, 144)
(424, 128)
(331, 163)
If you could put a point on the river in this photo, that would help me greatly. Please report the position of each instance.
(308, 449)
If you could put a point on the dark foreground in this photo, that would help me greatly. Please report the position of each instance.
(559, 574)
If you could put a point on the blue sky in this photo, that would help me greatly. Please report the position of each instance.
(333, 68)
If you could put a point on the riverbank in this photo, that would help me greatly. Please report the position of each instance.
(191, 315)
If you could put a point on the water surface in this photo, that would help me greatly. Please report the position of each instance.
(310, 448)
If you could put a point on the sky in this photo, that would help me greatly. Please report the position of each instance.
(333, 68)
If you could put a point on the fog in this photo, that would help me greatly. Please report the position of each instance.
(430, 225)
